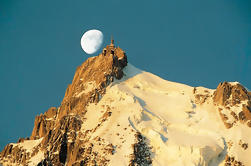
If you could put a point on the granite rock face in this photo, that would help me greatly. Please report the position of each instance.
(228, 94)
(232, 96)
(58, 129)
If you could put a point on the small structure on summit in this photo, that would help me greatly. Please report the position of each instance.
(113, 51)
(112, 42)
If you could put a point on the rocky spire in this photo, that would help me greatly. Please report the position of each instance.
(57, 126)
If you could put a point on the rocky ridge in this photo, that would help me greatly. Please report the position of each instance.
(58, 129)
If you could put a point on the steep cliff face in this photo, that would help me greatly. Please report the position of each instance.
(58, 128)
(115, 114)
(236, 100)
(231, 94)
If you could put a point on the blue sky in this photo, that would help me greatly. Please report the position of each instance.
(199, 43)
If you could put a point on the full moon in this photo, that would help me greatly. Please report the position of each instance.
(91, 41)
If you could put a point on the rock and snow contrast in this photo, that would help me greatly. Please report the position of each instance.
(115, 114)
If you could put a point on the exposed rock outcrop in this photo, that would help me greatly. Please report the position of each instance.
(44, 123)
(142, 154)
(231, 161)
(230, 94)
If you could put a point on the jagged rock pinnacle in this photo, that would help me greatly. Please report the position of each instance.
(58, 124)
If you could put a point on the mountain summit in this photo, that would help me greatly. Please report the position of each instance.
(115, 114)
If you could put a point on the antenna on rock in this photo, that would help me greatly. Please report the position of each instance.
(112, 41)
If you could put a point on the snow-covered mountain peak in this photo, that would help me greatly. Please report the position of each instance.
(115, 114)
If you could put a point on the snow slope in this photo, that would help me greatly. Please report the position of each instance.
(180, 130)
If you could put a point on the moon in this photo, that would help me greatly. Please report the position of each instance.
(91, 41)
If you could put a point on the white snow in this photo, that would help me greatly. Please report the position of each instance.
(28, 145)
(37, 158)
(234, 83)
(180, 131)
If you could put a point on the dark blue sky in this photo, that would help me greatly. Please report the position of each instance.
(199, 43)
